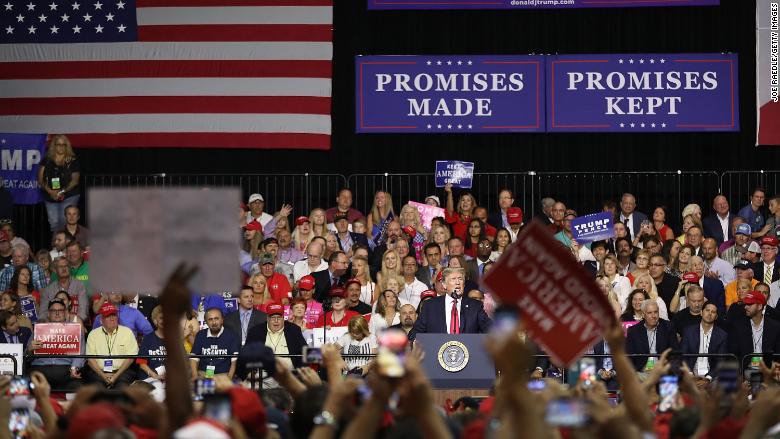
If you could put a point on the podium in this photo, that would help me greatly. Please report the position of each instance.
(457, 361)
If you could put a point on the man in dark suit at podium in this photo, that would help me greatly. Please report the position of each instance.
(452, 313)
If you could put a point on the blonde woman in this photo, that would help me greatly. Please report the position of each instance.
(361, 272)
(331, 245)
(620, 284)
(380, 209)
(391, 264)
(259, 286)
(58, 178)
(386, 313)
(302, 234)
(358, 340)
(439, 235)
(604, 285)
(645, 282)
(410, 216)
(688, 222)
(318, 225)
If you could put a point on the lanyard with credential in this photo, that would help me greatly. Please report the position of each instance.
(110, 344)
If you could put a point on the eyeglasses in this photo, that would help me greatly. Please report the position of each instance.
(57, 310)
(657, 265)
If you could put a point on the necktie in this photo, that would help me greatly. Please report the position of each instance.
(333, 281)
(768, 274)
(628, 230)
(454, 324)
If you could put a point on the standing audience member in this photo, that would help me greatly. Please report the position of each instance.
(58, 178)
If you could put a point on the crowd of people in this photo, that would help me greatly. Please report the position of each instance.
(361, 286)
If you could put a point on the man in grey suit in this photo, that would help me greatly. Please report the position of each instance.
(246, 318)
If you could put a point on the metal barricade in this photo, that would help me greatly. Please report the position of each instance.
(738, 186)
(586, 191)
(303, 191)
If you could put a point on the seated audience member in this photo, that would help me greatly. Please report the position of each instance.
(744, 271)
(650, 337)
(10, 302)
(284, 338)
(339, 314)
(70, 316)
(212, 341)
(620, 284)
(63, 373)
(633, 306)
(343, 207)
(358, 340)
(433, 264)
(44, 260)
(60, 239)
(346, 238)
(64, 282)
(79, 267)
(247, 317)
(692, 314)
(713, 288)
(664, 283)
(152, 370)
(144, 303)
(739, 246)
(645, 282)
(129, 317)
(110, 338)
(336, 274)
(20, 285)
(256, 204)
(6, 250)
(353, 298)
(270, 246)
(715, 267)
(250, 246)
(386, 312)
(8, 228)
(278, 284)
(306, 293)
(704, 338)
(313, 261)
(14, 333)
(362, 272)
(767, 270)
(408, 317)
(287, 252)
(21, 257)
(411, 288)
(298, 314)
(756, 334)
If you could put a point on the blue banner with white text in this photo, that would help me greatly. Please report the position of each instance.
(20, 156)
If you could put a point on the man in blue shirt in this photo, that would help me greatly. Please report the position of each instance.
(130, 317)
(753, 213)
(212, 341)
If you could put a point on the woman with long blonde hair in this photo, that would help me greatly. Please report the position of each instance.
(58, 178)
(380, 209)
(391, 265)
(318, 222)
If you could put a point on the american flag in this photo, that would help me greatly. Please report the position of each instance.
(168, 73)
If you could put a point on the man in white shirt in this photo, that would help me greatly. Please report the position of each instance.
(412, 287)
(312, 263)
(256, 204)
(704, 338)
(631, 218)
(714, 266)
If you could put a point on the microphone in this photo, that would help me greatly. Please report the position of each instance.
(455, 294)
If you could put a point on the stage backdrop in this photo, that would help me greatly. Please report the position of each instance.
(188, 73)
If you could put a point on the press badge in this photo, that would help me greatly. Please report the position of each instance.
(210, 369)
(55, 183)
(108, 366)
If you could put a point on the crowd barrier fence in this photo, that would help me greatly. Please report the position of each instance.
(583, 191)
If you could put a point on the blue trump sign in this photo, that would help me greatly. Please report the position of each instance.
(20, 156)
(593, 227)
(459, 174)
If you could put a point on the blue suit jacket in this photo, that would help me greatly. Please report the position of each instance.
(433, 318)
(637, 343)
(715, 293)
(712, 228)
(25, 334)
(719, 344)
(636, 224)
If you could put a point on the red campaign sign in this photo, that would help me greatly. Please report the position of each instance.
(58, 338)
(562, 308)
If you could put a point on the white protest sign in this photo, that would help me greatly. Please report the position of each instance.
(319, 336)
(6, 364)
(138, 237)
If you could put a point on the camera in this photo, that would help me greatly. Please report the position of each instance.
(20, 386)
(312, 355)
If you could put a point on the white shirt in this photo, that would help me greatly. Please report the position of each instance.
(703, 363)
(758, 335)
(629, 222)
(301, 268)
(367, 293)
(724, 226)
(448, 310)
(725, 271)
(622, 288)
(378, 323)
(263, 219)
(774, 294)
(411, 293)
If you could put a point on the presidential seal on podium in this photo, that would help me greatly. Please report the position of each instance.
(453, 356)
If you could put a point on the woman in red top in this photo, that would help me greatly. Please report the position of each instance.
(476, 233)
(21, 284)
(340, 315)
(459, 219)
(659, 221)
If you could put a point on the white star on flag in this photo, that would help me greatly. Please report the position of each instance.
(87, 17)
(42, 18)
(449, 63)
(642, 125)
(460, 126)
(663, 60)
(53, 6)
(469, 63)
(429, 63)
(121, 28)
(8, 6)
(438, 126)
(663, 125)
(449, 127)
(98, 5)
(30, 6)
(65, 17)
(620, 61)
(31, 29)
(54, 29)
(20, 18)
(99, 29)
(631, 61)
(9, 30)
(428, 126)
(77, 29)
(110, 17)
(622, 125)
(438, 63)
(120, 5)
(460, 63)
(75, 6)
(470, 126)
(632, 124)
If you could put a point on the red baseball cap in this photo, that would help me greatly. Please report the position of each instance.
(93, 418)
(253, 225)
(249, 410)
(301, 219)
(752, 297)
(274, 308)
(514, 215)
(352, 281)
(337, 291)
(410, 230)
(108, 309)
(769, 240)
(691, 277)
(306, 283)
(427, 294)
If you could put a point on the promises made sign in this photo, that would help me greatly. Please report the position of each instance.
(449, 94)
